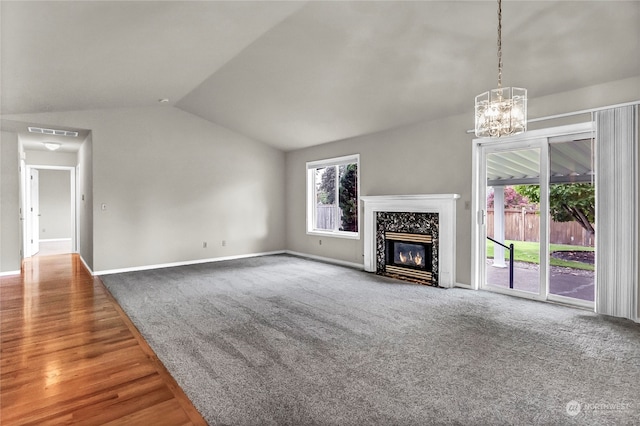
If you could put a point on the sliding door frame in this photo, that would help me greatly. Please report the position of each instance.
(532, 139)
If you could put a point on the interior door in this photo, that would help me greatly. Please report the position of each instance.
(513, 238)
(35, 211)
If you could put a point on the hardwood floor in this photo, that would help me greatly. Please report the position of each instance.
(69, 354)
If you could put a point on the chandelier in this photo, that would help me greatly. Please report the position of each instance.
(501, 111)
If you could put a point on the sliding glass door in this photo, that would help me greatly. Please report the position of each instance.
(535, 225)
(572, 225)
(514, 255)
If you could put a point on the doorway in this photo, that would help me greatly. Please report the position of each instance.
(534, 233)
(50, 206)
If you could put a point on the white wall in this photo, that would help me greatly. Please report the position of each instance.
(55, 204)
(428, 157)
(9, 203)
(170, 181)
(50, 158)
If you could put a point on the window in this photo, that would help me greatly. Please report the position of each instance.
(332, 196)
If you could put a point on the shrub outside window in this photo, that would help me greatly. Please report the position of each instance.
(332, 196)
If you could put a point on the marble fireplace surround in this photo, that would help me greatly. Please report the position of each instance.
(443, 204)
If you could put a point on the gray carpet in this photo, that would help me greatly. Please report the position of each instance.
(285, 340)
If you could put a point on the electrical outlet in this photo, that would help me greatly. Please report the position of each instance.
(224, 243)
(319, 242)
(204, 244)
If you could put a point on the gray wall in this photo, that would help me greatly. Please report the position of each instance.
(9, 203)
(84, 201)
(55, 204)
(171, 181)
(428, 157)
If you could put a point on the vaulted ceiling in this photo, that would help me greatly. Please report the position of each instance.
(296, 74)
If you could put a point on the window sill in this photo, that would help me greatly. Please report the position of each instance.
(347, 235)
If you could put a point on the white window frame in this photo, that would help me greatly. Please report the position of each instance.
(311, 210)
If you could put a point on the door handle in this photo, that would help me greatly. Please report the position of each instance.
(480, 217)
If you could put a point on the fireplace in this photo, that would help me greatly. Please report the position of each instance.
(409, 256)
(432, 215)
(407, 246)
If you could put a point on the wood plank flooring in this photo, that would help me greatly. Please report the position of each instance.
(69, 354)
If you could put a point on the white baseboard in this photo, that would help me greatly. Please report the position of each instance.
(467, 286)
(85, 265)
(54, 240)
(184, 263)
(7, 273)
(326, 259)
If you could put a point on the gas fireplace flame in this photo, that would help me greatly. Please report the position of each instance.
(409, 259)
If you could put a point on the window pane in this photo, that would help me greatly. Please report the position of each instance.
(332, 196)
(325, 182)
(572, 229)
(348, 197)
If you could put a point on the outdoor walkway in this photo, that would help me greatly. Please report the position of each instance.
(568, 282)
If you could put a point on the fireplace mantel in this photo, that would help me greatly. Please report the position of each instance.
(443, 204)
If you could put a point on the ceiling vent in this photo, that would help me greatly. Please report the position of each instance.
(53, 132)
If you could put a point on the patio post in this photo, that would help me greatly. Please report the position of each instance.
(498, 226)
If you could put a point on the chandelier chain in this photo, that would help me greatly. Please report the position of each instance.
(499, 44)
(501, 111)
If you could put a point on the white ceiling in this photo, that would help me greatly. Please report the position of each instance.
(295, 74)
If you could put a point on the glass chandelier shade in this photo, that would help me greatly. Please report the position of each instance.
(501, 112)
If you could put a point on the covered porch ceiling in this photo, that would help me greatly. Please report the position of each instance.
(570, 162)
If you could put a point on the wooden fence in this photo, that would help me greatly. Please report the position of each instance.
(326, 216)
(524, 225)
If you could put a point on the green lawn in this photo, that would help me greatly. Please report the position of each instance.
(525, 251)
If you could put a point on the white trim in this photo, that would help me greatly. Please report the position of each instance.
(326, 259)
(443, 204)
(550, 132)
(185, 263)
(571, 301)
(337, 161)
(85, 265)
(73, 170)
(461, 285)
(336, 234)
(36, 166)
(53, 240)
(310, 214)
(517, 293)
(7, 273)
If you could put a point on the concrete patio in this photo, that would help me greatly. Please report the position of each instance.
(568, 282)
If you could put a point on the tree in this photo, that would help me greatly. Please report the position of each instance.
(512, 199)
(327, 187)
(348, 197)
(567, 202)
